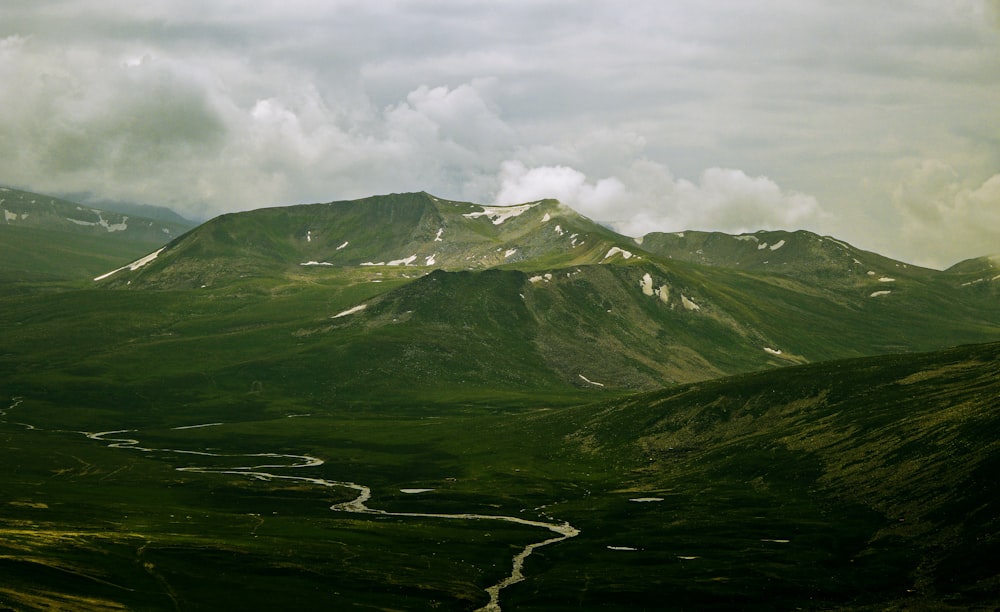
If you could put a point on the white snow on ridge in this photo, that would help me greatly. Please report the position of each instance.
(615, 251)
(499, 214)
(588, 381)
(350, 311)
(135, 265)
(747, 237)
(777, 245)
(395, 262)
(101, 221)
(316, 263)
(403, 262)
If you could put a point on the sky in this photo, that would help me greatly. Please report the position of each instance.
(877, 123)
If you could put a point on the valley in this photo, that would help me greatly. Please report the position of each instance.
(481, 407)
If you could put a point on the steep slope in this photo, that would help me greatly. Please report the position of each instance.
(395, 233)
(859, 484)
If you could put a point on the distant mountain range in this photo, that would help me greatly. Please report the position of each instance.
(572, 299)
(47, 237)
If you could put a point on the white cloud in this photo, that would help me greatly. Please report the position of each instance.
(651, 199)
(944, 220)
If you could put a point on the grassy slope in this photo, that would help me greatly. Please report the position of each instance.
(28, 254)
(865, 483)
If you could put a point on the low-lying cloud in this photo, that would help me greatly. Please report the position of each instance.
(651, 199)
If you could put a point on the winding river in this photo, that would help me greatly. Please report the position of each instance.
(268, 461)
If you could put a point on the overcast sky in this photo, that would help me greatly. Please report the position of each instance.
(876, 122)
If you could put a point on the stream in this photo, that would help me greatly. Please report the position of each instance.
(358, 505)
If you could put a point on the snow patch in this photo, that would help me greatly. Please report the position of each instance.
(647, 284)
(879, 293)
(309, 236)
(679, 234)
(746, 237)
(688, 304)
(546, 218)
(540, 278)
(886, 279)
(664, 294)
(508, 253)
(615, 251)
(644, 500)
(439, 234)
(343, 245)
(590, 382)
(135, 265)
(350, 311)
(499, 214)
(414, 491)
(761, 246)
(627, 548)
(430, 259)
(102, 222)
(315, 263)
(777, 245)
(772, 351)
(403, 262)
(9, 216)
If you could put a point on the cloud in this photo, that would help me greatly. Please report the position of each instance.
(944, 220)
(649, 198)
(520, 184)
(766, 108)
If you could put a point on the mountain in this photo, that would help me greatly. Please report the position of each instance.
(395, 232)
(389, 403)
(572, 294)
(46, 237)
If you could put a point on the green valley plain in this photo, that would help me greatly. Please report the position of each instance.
(383, 404)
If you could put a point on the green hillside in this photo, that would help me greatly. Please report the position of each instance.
(43, 238)
(866, 484)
